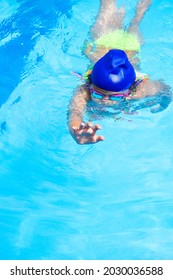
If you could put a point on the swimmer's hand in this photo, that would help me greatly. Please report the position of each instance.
(86, 133)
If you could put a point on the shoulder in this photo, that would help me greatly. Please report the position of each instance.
(83, 91)
(150, 88)
(156, 86)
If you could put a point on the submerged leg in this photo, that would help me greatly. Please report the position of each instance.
(141, 9)
(109, 18)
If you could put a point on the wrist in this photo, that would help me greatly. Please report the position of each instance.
(74, 124)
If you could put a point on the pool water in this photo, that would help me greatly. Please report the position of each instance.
(60, 200)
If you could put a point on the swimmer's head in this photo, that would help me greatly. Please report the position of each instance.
(113, 72)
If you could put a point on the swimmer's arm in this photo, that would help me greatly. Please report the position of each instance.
(77, 107)
(159, 89)
(162, 92)
(164, 96)
(149, 88)
(83, 133)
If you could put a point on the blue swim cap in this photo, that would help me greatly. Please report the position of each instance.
(113, 72)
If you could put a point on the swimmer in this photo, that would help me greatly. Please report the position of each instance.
(113, 77)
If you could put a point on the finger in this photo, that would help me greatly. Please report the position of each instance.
(90, 130)
(89, 124)
(82, 125)
(94, 127)
(99, 138)
(74, 128)
(97, 127)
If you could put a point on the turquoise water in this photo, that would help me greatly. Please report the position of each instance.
(60, 200)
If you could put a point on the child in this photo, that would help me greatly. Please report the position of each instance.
(113, 77)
